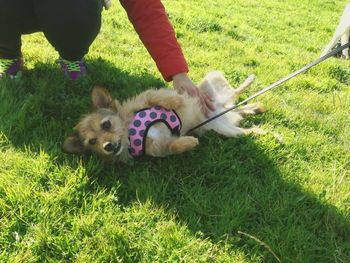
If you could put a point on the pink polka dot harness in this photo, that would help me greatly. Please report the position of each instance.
(143, 120)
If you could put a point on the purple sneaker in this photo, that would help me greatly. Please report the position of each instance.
(73, 69)
(10, 67)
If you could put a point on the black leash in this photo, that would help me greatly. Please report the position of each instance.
(292, 75)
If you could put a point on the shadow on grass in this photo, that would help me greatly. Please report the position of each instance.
(225, 186)
(42, 106)
(231, 185)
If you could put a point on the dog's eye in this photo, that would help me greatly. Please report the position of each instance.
(92, 141)
(106, 125)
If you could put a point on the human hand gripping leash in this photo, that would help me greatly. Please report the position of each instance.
(274, 85)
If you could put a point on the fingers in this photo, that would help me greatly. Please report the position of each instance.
(209, 101)
(195, 92)
(206, 103)
(204, 99)
(204, 106)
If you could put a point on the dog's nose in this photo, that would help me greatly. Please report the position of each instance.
(109, 147)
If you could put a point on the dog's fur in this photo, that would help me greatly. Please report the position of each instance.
(342, 33)
(89, 135)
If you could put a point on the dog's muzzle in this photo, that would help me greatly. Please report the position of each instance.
(113, 148)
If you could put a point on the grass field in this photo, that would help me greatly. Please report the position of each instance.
(282, 196)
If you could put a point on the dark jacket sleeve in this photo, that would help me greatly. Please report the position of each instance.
(157, 34)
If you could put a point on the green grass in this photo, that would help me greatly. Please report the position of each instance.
(288, 190)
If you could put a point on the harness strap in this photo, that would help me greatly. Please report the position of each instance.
(143, 120)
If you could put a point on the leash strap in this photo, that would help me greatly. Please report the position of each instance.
(277, 83)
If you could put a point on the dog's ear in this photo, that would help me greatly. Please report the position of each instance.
(73, 145)
(101, 98)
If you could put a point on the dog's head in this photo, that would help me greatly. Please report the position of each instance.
(99, 132)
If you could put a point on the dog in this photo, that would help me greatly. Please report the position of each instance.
(342, 34)
(120, 131)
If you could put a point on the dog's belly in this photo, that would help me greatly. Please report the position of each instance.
(190, 114)
(158, 131)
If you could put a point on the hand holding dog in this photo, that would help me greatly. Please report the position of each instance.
(182, 83)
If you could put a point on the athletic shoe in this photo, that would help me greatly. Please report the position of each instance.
(73, 69)
(10, 67)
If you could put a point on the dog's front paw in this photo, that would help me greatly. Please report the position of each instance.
(173, 103)
(183, 144)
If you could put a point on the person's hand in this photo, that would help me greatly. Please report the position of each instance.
(182, 83)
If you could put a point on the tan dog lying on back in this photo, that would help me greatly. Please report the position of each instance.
(110, 130)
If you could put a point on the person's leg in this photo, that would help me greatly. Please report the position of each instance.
(16, 17)
(10, 28)
(69, 25)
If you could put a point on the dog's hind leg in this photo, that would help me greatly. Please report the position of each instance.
(228, 124)
(253, 108)
(248, 82)
(218, 88)
(231, 130)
